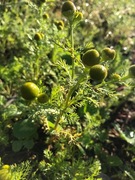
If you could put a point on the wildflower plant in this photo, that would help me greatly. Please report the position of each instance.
(63, 96)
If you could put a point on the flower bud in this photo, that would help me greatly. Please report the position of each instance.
(43, 98)
(98, 72)
(38, 36)
(45, 16)
(108, 54)
(78, 17)
(116, 77)
(68, 9)
(90, 58)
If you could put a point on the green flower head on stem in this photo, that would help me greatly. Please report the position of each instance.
(68, 9)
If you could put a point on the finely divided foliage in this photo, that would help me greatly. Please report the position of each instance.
(65, 69)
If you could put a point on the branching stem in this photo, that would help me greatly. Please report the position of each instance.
(71, 90)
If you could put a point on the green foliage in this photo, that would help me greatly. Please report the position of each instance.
(61, 168)
(15, 172)
(21, 171)
(25, 131)
(129, 137)
(40, 45)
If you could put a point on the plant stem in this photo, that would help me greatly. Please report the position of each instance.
(72, 49)
(66, 104)
(59, 118)
(71, 90)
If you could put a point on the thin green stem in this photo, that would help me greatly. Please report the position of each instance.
(72, 49)
(59, 118)
(71, 90)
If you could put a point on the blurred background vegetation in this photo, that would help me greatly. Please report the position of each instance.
(110, 144)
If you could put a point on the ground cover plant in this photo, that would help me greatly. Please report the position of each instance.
(67, 90)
